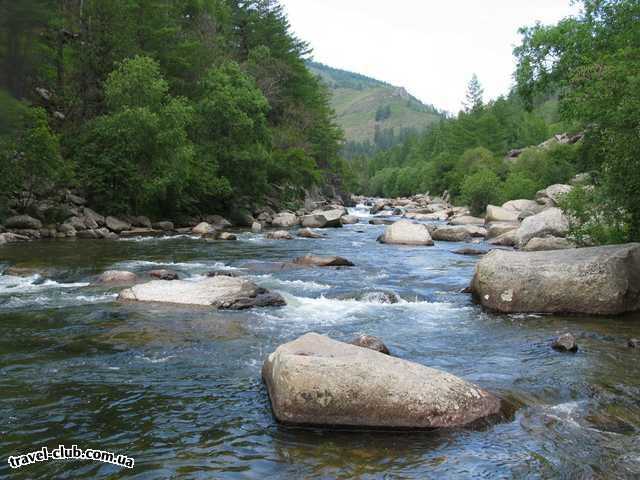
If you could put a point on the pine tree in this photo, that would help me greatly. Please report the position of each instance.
(473, 100)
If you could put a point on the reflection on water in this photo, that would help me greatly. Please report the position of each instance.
(179, 390)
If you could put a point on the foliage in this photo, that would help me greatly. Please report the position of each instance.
(594, 218)
(481, 189)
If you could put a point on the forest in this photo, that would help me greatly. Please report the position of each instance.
(160, 107)
(580, 76)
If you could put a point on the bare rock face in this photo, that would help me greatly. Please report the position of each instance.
(221, 292)
(596, 281)
(551, 222)
(370, 342)
(117, 277)
(315, 380)
(318, 261)
(405, 232)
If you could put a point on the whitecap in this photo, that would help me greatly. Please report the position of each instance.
(159, 239)
(155, 360)
(11, 285)
(269, 281)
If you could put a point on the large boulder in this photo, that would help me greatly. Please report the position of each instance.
(314, 221)
(547, 243)
(308, 233)
(596, 281)
(225, 293)
(452, 234)
(405, 232)
(116, 225)
(499, 214)
(522, 206)
(349, 220)
(24, 222)
(466, 220)
(164, 226)
(315, 380)
(507, 239)
(203, 228)
(551, 222)
(318, 261)
(499, 228)
(285, 220)
(550, 196)
(333, 217)
(117, 276)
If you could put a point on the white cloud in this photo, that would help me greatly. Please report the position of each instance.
(429, 47)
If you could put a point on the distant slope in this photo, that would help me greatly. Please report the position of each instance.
(362, 104)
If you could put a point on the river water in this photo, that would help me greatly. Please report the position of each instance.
(179, 389)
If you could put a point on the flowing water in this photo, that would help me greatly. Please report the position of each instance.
(179, 389)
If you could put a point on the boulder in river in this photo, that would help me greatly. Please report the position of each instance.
(451, 234)
(405, 232)
(470, 251)
(204, 228)
(285, 220)
(163, 274)
(278, 235)
(24, 222)
(547, 243)
(308, 233)
(370, 342)
(565, 343)
(349, 219)
(466, 220)
(116, 225)
(499, 214)
(318, 261)
(117, 277)
(221, 292)
(315, 380)
(596, 281)
(314, 221)
(381, 221)
(551, 222)
(522, 206)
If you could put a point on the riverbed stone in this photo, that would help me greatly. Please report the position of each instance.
(116, 225)
(221, 292)
(285, 220)
(308, 233)
(322, 261)
(405, 232)
(349, 219)
(278, 235)
(551, 222)
(466, 220)
(499, 214)
(117, 277)
(594, 281)
(451, 234)
(314, 221)
(203, 228)
(547, 243)
(370, 342)
(470, 251)
(164, 274)
(24, 222)
(565, 343)
(315, 380)
(496, 229)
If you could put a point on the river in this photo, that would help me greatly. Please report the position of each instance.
(179, 389)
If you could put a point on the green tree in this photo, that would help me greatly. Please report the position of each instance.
(481, 189)
(474, 100)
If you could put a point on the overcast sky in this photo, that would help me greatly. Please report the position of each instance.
(430, 47)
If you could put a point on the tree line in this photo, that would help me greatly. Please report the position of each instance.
(580, 75)
(160, 107)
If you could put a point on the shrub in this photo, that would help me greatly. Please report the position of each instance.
(481, 189)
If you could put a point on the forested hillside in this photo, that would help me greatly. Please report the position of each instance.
(579, 76)
(160, 106)
(373, 114)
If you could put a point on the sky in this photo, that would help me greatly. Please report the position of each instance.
(430, 47)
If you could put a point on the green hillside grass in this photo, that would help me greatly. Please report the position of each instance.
(356, 99)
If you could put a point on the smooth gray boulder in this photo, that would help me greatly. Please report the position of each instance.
(451, 234)
(405, 232)
(547, 243)
(116, 225)
(499, 228)
(595, 281)
(549, 223)
(319, 261)
(285, 220)
(523, 205)
(225, 293)
(315, 380)
(507, 239)
(466, 220)
(499, 214)
(314, 221)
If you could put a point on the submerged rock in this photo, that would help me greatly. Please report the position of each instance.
(470, 251)
(164, 274)
(370, 342)
(225, 293)
(405, 232)
(278, 235)
(565, 343)
(315, 380)
(379, 297)
(117, 276)
(318, 261)
(597, 280)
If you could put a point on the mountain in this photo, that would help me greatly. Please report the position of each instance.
(363, 104)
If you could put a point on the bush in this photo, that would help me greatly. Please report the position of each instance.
(593, 218)
(518, 185)
(481, 189)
